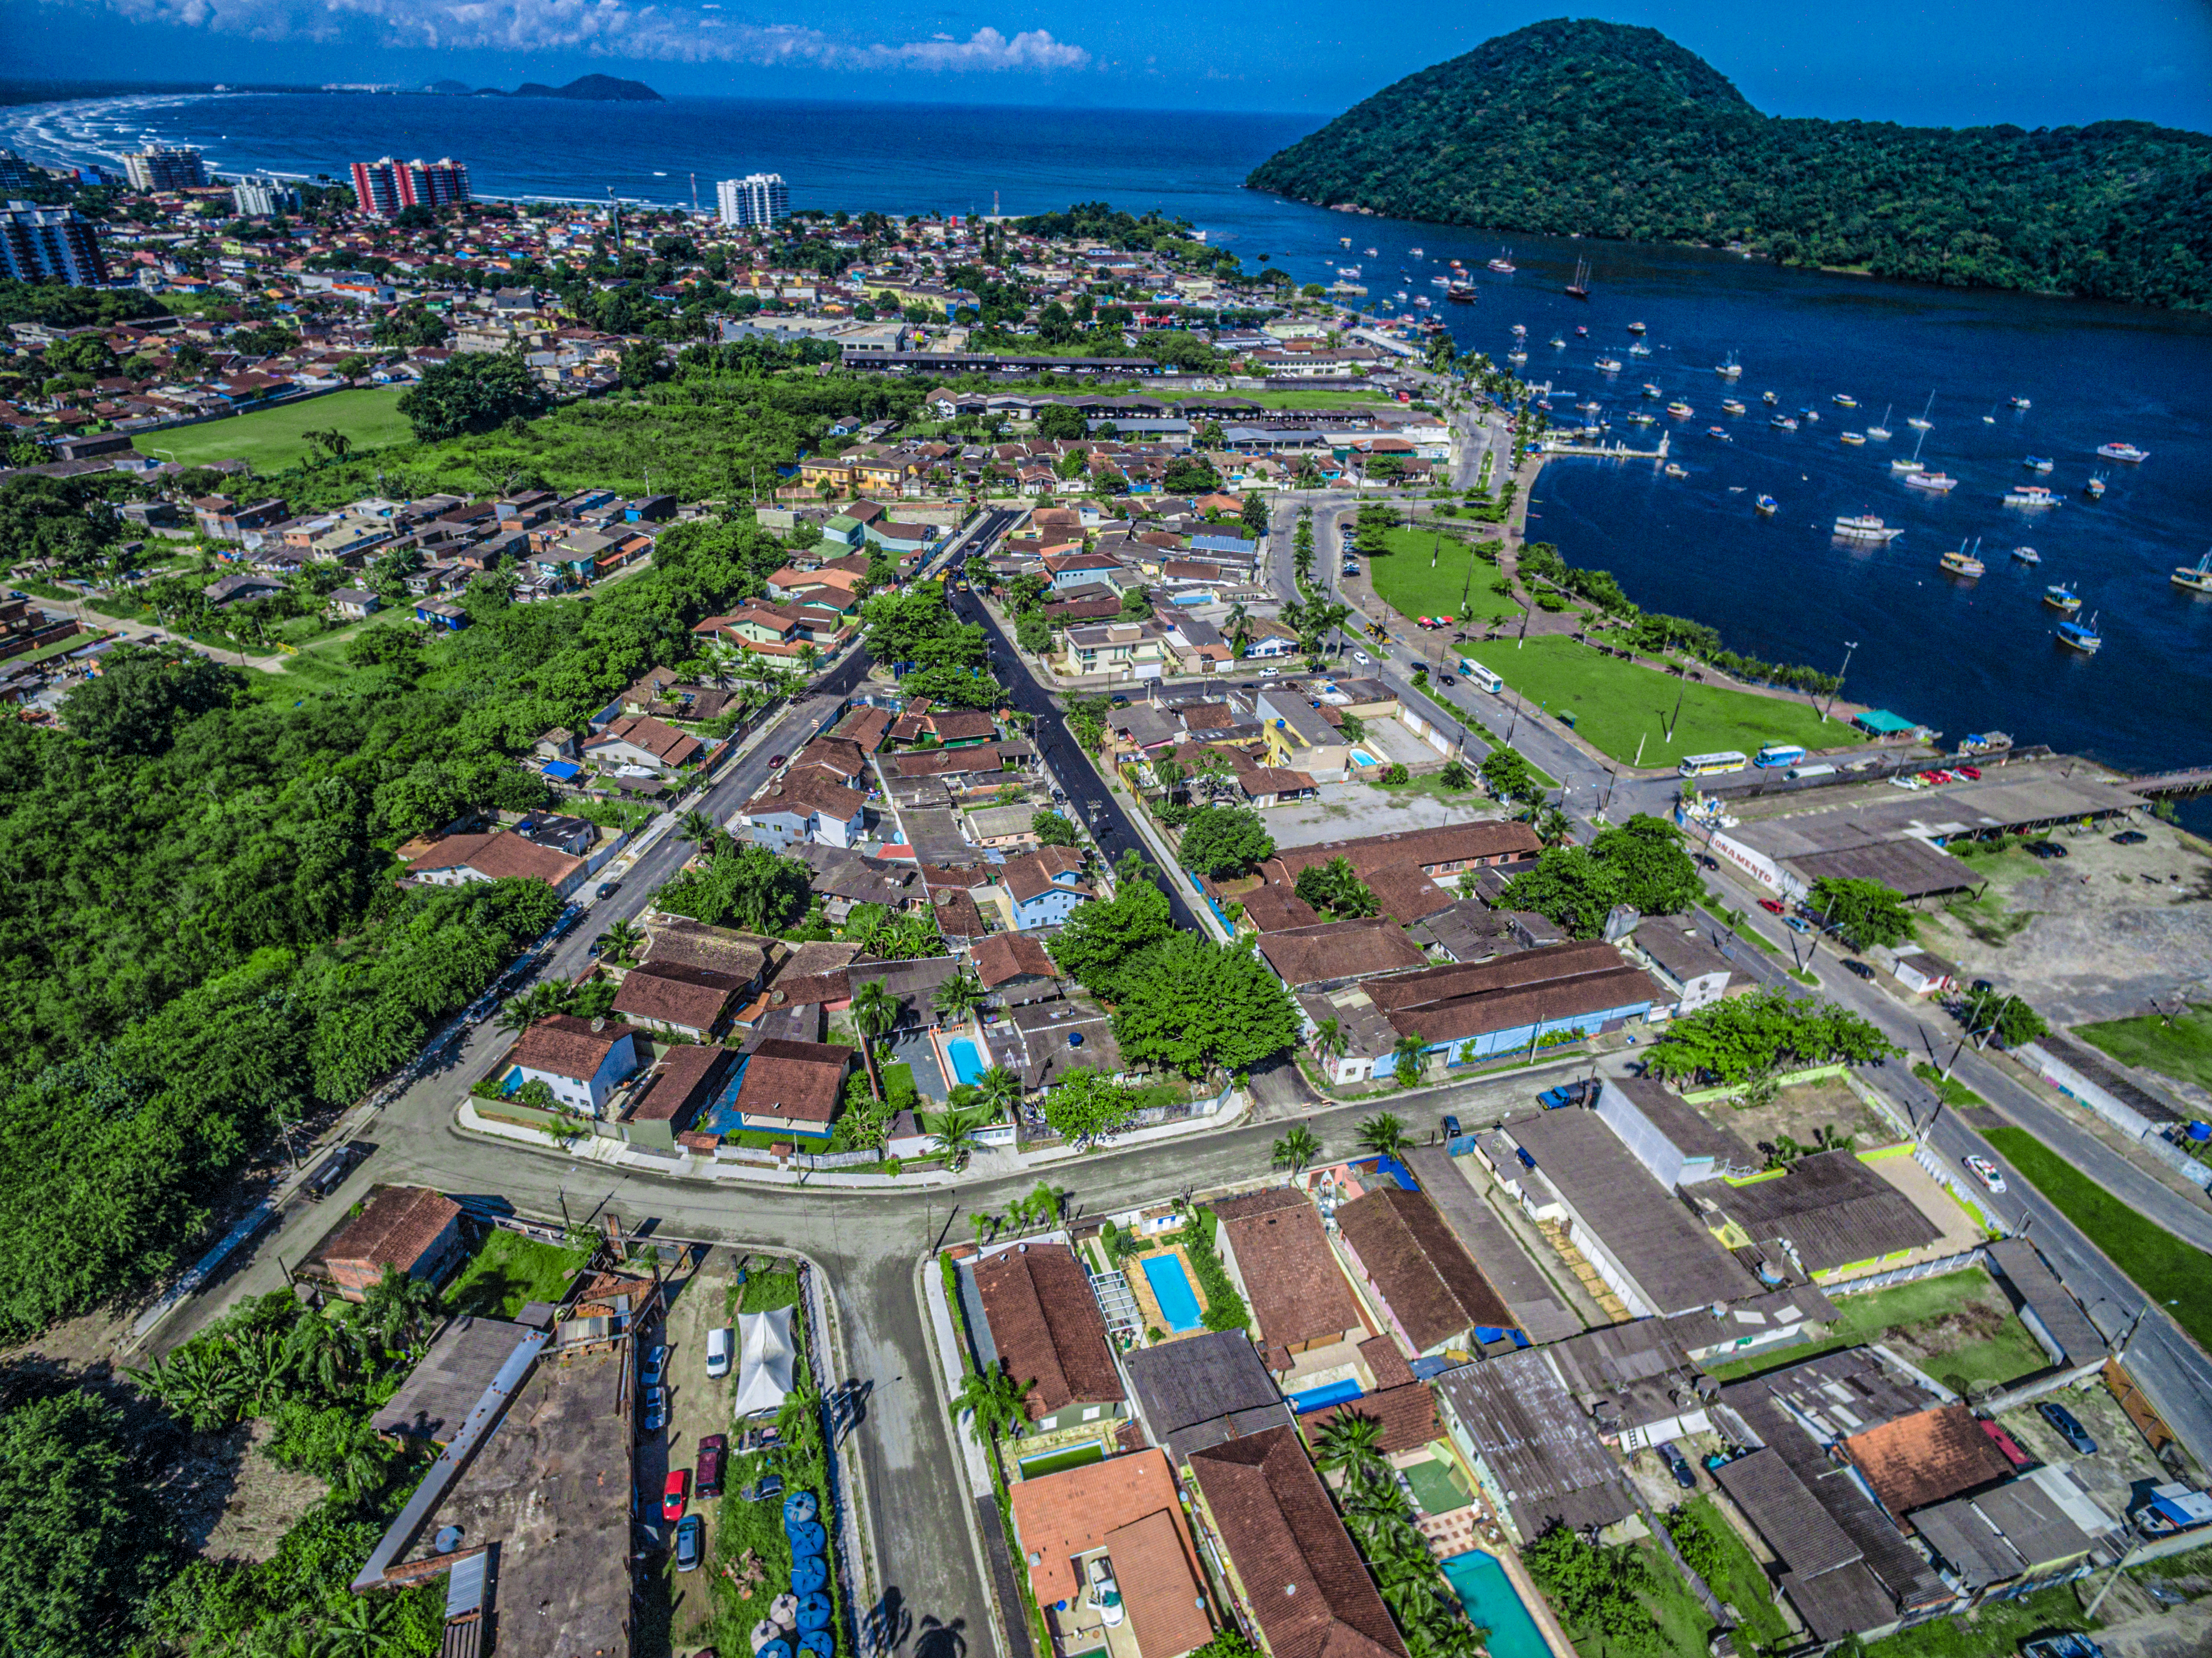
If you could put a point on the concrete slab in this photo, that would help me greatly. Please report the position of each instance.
(1346, 811)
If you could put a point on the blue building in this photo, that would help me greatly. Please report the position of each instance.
(1527, 1002)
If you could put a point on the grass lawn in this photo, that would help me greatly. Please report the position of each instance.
(509, 1269)
(1404, 580)
(1741, 1582)
(2181, 1050)
(763, 1292)
(1618, 706)
(1961, 1325)
(1432, 785)
(1954, 1092)
(2160, 1264)
(269, 439)
(1997, 1629)
(1312, 399)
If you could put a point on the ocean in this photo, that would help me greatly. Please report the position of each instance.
(1960, 656)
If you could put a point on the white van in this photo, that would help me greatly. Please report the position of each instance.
(718, 1352)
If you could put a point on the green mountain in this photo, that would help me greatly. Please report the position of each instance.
(1592, 129)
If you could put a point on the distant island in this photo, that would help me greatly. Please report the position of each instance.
(1591, 129)
(587, 89)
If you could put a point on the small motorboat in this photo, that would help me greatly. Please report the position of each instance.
(1730, 406)
(2020, 402)
(2038, 463)
(1865, 527)
(1852, 437)
(1675, 472)
(1520, 329)
(1844, 400)
(1651, 391)
(2126, 452)
(2196, 577)
(2062, 598)
(2094, 488)
(1636, 328)
(1679, 409)
(1940, 482)
(2025, 555)
(1768, 398)
(1768, 506)
(1608, 365)
(1581, 332)
(1639, 350)
(1783, 423)
(2027, 494)
(1729, 370)
(1557, 343)
(1720, 431)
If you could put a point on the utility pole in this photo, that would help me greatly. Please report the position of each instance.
(2097, 1600)
(1674, 719)
(1849, 645)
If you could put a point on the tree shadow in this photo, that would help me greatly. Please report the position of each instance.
(942, 1640)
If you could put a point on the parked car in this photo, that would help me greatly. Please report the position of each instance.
(1856, 967)
(607, 889)
(775, 760)
(2062, 1420)
(1706, 860)
(1798, 923)
(1971, 773)
(1447, 679)
(1986, 1172)
(676, 1493)
(1451, 1127)
(1362, 658)
(1678, 1465)
(2062, 1646)
(706, 1479)
(719, 1345)
(1772, 906)
(656, 1362)
(690, 1543)
(2130, 838)
(761, 1490)
(2046, 850)
(656, 1409)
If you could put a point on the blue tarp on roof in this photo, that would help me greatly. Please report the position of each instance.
(563, 771)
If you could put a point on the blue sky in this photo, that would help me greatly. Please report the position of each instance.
(2033, 61)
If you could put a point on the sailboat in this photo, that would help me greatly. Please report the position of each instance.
(1921, 419)
(1880, 434)
(2199, 579)
(1579, 288)
(1913, 464)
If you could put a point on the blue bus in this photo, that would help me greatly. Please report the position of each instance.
(1778, 754)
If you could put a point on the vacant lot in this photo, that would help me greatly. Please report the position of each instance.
(1801, 1113)
(2180, 1047)
(508, 1269)
(1620, 707)
(270, 440)
(1457, 583)
(1958, 1328)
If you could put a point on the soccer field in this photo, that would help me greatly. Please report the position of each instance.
(269, 439)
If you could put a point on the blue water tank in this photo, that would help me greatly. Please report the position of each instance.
(774, 1649)
(807, 1537)
(818, 1643)
(2200, 1132)
(798, 1508)
(809, 1573)
(814, 1611)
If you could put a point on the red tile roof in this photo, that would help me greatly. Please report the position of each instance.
(565, 1046)
(1298, 1291)
(1005, 957)
(679, 1083)
(800, 1080)
(694, 997)
(499, 856)
(1047, 1327)
(399, 1223)
(1407, 1414)
(1926, 1457)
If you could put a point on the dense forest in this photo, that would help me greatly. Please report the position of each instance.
(1592, 129)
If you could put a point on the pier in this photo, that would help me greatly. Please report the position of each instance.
(1556, 445)
(2162, 785)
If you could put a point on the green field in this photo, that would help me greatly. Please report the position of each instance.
(2181, 1050)
(1618, 705)
(2179, 1273)
(1999, 1629)
(508, 1269)
(1961, 1325)
(1405, 579)
(1311, 400)
(269, 440)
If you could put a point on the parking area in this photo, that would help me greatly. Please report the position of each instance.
(698, 1405)
(2121, 1471)
(1344, 812)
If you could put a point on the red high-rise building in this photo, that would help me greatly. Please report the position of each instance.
(382, 188)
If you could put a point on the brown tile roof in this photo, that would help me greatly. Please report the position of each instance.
(498, 856)
(1273, 910)
(865, 727)
(1300, 1574)
(1047, 1327)
(656, 737)
(1433, 1286)
(1408, 1413)
(1407, 896)
(939, 762)
(665, 993)
(845, 760)
(1385, 1363)
(1057, 1516)
(1007, 956)
(815, 972)
(1444, 1004)
(1339, 949)
(399, 1224)
(958, 725)
(1298, 1291)
(1926, 1457)
(1030, 877)
(1425, 849)
(802, 1080)
(565, 1046)
(679, 942)
(1209, 717)
(681, 1083)
(1152, 1569)
(955, 914)
(806, 792)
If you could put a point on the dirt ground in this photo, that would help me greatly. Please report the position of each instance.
(1801, 1113)
(2122, 1471)
(2097, 937)
(230, 1501)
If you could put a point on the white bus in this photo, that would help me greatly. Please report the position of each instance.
(1779, 754)
(1708, 765)
(1475, 673)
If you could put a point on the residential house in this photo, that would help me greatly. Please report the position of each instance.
(355, 604)
(1274, 1243)
(690, 1002)
(1015, 968)
(1041, 1323)
(804, 806)
(685, 1080)
(581, 1060)
(1339, 952)
(440, 615)
(1534, 999)
(1694, 973)
(1113, 650)
(241, 589)
(792, 1088)
(1044, 887)
(1426, 1287)
(457, 859)
(406, 1229)
(2033, 1533)
(642, 740)
(1202, 1390)
(1120, 1517)
(1533, 1450)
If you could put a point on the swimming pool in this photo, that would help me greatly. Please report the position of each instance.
(1329, 1392)
(1488, 1593)
(1171, 1289)
(1361, 757)
(967, 1063)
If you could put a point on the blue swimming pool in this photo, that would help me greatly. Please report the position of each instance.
(1488, 1593)
(1171, 1289)
(967, 1064)
(1329, 1392)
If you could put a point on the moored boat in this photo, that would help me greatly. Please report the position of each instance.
(2196, 577)
(1675, 472)
(1768, 398)
(1865, 527)
(1729, 370)
(1852, 437)
(2081, 636)
(2038, 463)
(2062, 598)
(1961, 562)
(2126, 452)
(1730, 406)
(1608, 365)
(2027, 555)
(2020, 402)
(2030, 495)
(1679, 409)
(1720, 431)
(2095, 488)
(1940, 482)
(1920, 421)
(1503, 264)
(1783, 423)
(1768, 506)
(1636, 328)
(1844, 400)
(1880, 434)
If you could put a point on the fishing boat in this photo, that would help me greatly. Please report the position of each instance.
(1675, 472)
(1399, 296)
(2081, 636)
(1961, 562)
(1768, 506)
(1844, 400)
(1579, 288)
(1370, 252)
(1639, 350)
(2094, 488)
(1421, 300)
(1880, 434)
(2062, 598)
(1557, 343)
(1782, 423)
(2030, 495)
(2126, 452)
(1643, 418)
(1415, 253)
(1920, 421)
(1440, 282)
(1460, 292)
(1852, 437)
(1651, 391)
(1344, 241)
(1608, 365)
(1769, 397)
(1865, 527)
(2025, 555)
(2020, 402)
(1503, 264)
(1730, 369)
(2196, 577)
(1720, 431)
(1582, 332)
(1730, 406)
(1520, 330)
(1941, 483)
(1810, 416)
(1679, 409)
(1636, 328)
(1516, 356)
(2038, 463)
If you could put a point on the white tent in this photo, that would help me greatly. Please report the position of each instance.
(765, 1360)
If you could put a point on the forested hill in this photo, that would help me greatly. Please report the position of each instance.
(1584, 127)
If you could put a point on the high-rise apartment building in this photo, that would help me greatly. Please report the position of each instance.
(383, 188)
(258, 196)
(159, 166)
(16, 174)
(49, 243)
(758, 198)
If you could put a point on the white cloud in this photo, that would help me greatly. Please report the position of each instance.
(608, 28)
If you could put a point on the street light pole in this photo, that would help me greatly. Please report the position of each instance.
(1849, 645)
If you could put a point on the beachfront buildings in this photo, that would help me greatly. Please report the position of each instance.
(384, 187)
(164, 167)
(758, 198)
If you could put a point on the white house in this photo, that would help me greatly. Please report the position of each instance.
(581, 1060)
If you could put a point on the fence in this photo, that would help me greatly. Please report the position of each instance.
(2085, 1091)
(1920, 1269)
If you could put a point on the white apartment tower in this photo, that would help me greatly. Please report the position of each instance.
(758, 198)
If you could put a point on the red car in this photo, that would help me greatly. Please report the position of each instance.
(672, 1495)
(1971, 773)
(707, 1481)
(1770, 906)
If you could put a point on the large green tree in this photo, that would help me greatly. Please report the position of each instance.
(1867, 913)
(1747, 1039)
(1224, 840)
(1188, 1004)
(471, 391)
(1103, 935)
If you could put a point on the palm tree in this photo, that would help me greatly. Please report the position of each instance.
(1383, 1134)
(196, 1381)
(875, 1010)
(698, 828)
(1296, 1149)
(1331, 1038)
(959, 996)
(621, 943)
(264, 1368)
(322, 1351)
(993, 1400)
(1350, 1441)
(1000, 1088)
(1406, 1059)
(399, 1304)
(953, 1131)
(1240, 627)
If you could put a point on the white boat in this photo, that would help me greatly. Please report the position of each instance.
(1844, 400)
(2020, 402)
(1940, 482)
(1852, 437)
(1865, 527)
(2196, 577)
(1675, 471)
(1768, 396)
(2027, 555)
(1639, 350)
(2030, 495)
(2094, 488)
(1445, 282)
(1730, 406)
(1636, 328)
(1503, 264)
(1556, 343)
(1520, 329)
(1961, 562)
(1912, 463)
(1370, 252)
(1729, 370)
(1921, 420)
(2062, 598)
(1608, 365)
(2081, 636)
(1413, 253)
(1880, 434)
(1679, 409)
(2126, 452)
